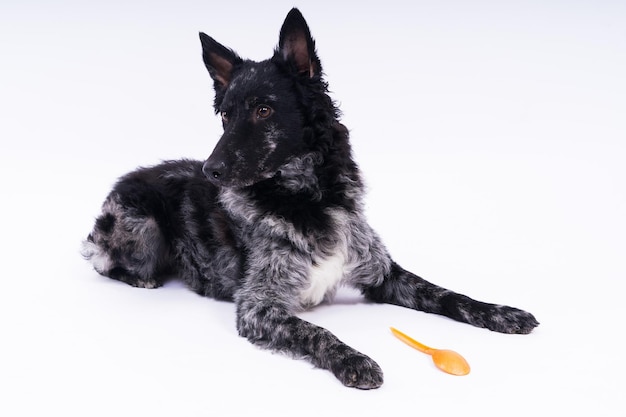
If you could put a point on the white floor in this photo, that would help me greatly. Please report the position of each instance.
(493, 140)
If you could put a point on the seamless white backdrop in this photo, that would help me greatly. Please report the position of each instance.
(491, 135)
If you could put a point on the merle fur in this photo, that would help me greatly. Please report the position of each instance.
(271, 215)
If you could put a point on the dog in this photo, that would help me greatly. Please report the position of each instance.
(273, 220)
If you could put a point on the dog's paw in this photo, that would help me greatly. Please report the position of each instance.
(505, 319)
(122, 275)
(148, 284)
(358, 371)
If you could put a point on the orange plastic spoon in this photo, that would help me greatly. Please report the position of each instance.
(447, 360)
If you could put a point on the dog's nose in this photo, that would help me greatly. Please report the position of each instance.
(214, 171)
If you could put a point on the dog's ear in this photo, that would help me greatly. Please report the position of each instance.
(219, 60)
(297, 46)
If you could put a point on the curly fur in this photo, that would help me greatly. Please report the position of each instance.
(273, 219)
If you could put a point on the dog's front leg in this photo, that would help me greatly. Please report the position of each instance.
(406, 289)
(267, 322)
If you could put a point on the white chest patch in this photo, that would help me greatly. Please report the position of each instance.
(324, 277)
(326, 273)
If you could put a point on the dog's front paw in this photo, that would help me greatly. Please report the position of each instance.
(505, 319)
(358, 371)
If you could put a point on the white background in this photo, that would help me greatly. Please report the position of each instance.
(491, 135)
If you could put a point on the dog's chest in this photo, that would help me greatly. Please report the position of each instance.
(327, 271)
(324, 277)
(319, 264)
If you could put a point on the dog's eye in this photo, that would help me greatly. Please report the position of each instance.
(224, 117)
(263, 112)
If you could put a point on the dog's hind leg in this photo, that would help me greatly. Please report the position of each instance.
(126, 246)
(403, 288)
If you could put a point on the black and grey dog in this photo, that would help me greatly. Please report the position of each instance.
(273, 219)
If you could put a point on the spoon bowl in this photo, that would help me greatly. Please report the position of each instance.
(450, 362)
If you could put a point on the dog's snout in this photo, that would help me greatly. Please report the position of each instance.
(214, 170)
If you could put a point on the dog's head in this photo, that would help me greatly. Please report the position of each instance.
(263, 105)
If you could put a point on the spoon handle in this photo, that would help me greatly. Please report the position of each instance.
(412, 342)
